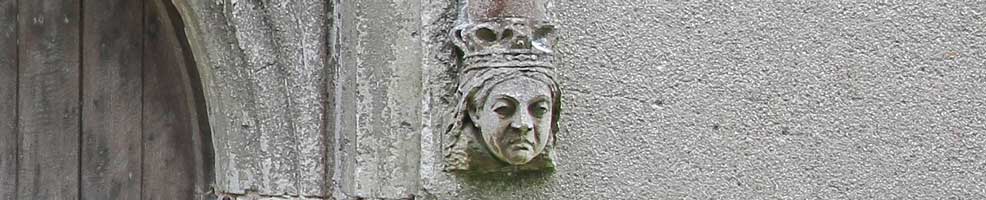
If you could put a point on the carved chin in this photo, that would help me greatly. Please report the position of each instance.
(519, 155)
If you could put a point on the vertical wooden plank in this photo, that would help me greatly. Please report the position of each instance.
(111, 135)
(8, 99)
(48, 99)
(173, 158)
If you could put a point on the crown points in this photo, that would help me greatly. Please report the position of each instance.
(482, 10)
(505, 33)
(508, 41)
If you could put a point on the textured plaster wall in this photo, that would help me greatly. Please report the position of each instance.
(759, 100)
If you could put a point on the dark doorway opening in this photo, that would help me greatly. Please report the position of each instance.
(100, 99)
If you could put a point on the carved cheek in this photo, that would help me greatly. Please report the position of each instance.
(492, 125)
(543, 128)
(494, 129)
(500, 130)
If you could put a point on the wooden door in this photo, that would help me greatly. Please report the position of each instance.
(99, 100)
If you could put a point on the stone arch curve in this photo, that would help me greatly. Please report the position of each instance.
(265, 86)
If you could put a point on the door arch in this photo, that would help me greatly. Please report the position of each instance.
(100, 100)
(177, 137)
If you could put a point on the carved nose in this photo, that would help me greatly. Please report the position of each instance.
(524, 122)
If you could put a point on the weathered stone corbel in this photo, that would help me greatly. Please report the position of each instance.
(508, 100)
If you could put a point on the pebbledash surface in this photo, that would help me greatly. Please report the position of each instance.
(759, 100)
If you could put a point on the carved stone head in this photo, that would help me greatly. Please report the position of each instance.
(509, 103)
(506, 120)
(514, 118)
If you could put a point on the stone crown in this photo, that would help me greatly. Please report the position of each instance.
(505, 42)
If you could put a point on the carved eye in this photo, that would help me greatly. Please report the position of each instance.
(539, 110)
(503, 110)
(486, 34)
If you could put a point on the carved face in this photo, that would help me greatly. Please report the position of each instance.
(515, 119)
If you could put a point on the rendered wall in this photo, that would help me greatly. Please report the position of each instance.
(760, 99)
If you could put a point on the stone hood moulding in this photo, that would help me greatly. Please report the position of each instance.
(508, 100)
